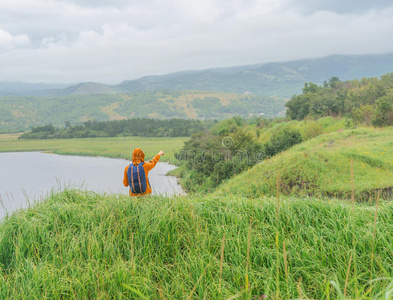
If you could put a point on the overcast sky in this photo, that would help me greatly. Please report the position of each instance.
(69, 41)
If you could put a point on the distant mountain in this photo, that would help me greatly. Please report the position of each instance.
(279, 79)
(8, 88)
(86, 88)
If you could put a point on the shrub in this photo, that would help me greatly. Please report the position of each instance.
(282, 140)
(312, 130)
(363, 114)
(213, 158)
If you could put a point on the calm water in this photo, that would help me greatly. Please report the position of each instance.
(30, 176)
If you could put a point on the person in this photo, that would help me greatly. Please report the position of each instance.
(137, 157)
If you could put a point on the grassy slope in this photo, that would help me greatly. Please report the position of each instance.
(308, 128)
(85, 246)
(119, 147)
(322, 166)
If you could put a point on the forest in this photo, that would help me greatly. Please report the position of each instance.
(369, 100)
(143, 127)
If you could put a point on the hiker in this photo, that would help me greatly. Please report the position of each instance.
(136, 174)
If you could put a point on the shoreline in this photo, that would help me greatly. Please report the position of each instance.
(93, 173)
(113, 147)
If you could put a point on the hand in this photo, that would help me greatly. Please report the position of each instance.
(161, 153)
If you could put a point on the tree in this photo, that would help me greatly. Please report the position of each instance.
(298, 107)
(310, 88)
(333, 82)
(363, 114)
(383, 111)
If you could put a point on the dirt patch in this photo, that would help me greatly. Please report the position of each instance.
(109, 110)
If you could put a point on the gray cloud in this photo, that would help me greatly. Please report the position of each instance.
(340, 6)
(59, 41)
(98, 3)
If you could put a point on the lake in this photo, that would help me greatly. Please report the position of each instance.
(30, 176)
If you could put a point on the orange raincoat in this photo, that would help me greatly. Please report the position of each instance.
(137, 157)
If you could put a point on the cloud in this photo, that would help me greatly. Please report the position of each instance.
(97, 3)
(341, 7)
(72, 41)
(9, 42)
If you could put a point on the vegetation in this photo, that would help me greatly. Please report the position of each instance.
(308, 129)
(118, 147)
(18, 114)
(229, 148)
(319, 165)
(235, 145)
(132, 127)
(85, 246)
(322, 167)
(238, 242)
(368, 101)
(282, 141)
(209, 159)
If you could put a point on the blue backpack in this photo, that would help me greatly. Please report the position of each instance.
(137, 178)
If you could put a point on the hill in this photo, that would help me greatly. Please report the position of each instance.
(21, 113)
(85, 88)
(279, 79)
(322, 167)
(20, 88)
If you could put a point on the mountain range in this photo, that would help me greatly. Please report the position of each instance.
(279, 79)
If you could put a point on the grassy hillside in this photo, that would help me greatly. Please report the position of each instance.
(85, 246)
(265, 129)
(322, 166)
(21, 113)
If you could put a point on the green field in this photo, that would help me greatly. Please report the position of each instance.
(118, 147)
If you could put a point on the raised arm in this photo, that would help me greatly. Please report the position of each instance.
(151, 164)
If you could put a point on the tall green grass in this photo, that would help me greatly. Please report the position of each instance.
(80, 245)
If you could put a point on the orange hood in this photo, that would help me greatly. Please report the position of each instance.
(138, 156)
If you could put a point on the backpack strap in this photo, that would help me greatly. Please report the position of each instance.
(139, 179)
(132, 177)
